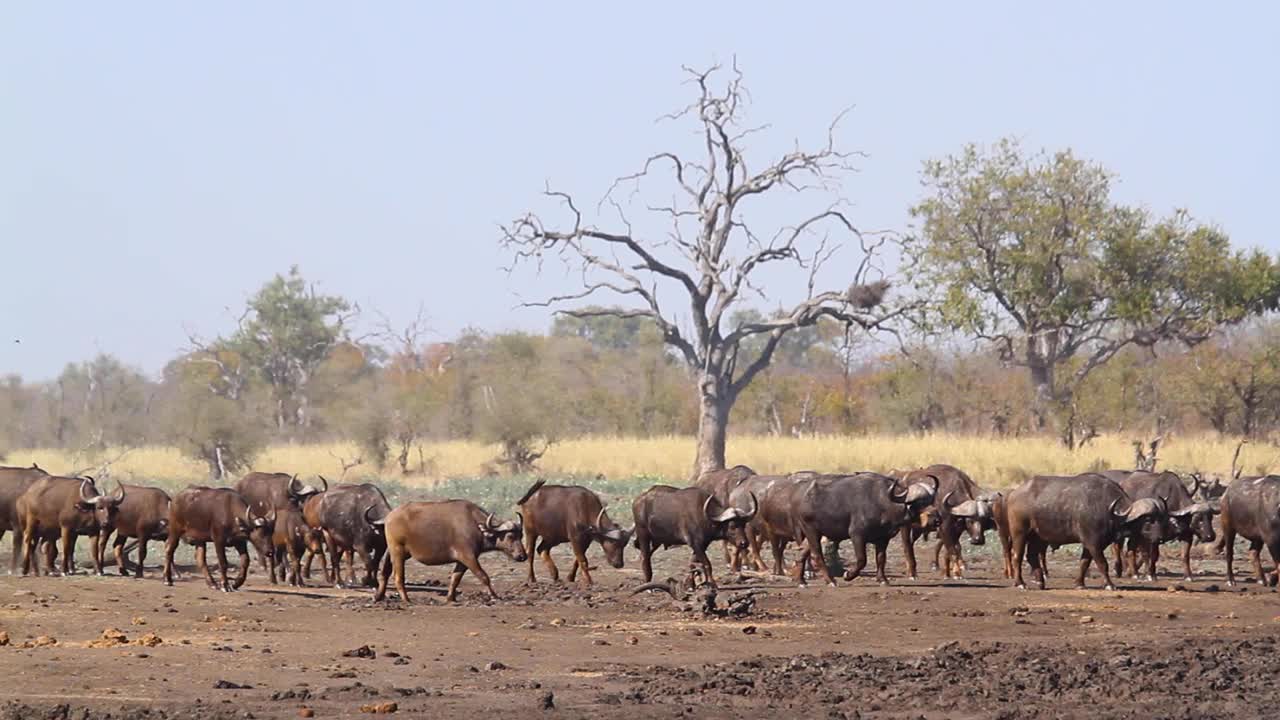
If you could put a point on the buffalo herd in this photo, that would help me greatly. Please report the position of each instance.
(290, 523)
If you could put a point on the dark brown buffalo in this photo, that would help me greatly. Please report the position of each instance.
(278, 491)
(13, 482)
(1251, 509)
(1191, 519)
(63, 508)
(568, 514)
(142, 515)
(202, 515)
(1089, 510)
(348, 516)
(959, 506)
(311, 514)
(666, 517)
(721, 484)
(439, 533)
(863, 508)
(292, 538)
(777, 523)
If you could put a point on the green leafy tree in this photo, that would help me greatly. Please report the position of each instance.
(286, 332)
(1030, 252)
(224, 432)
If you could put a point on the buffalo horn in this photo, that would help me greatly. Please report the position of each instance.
(294, 488)
(599, 518)
(488, 522)
(897, 495)
(947, 497)
(967, 509)
(920, 491)
(372, 521)
(119, 492)
(1112, 509)
(1195, 484)
(86, 498)
(706, 503)
(326, 483)
(1141, 508)
(755, 506)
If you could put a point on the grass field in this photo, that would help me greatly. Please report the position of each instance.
(993, 462)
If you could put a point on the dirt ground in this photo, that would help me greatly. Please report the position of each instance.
(926, 649)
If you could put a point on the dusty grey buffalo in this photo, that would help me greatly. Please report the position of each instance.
(141, 516)
(568, 514)
(202, 515)
(444, 532)
(666, 516)
(1089, 509)
(348, 516)
(1190, 519)
(1251, 509)
(863, 508)
(62, 508)
(960, 506)
(14, 481)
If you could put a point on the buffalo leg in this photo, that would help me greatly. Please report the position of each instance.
(202, 563)
(552, 570)
(1018, 551)
(117, 550)
(1086, 559)
(776, 544)
(1255, 554)
(220, 549)
(859, 559)
(454, 578)
(700, 558)
(1153, 553)
(646, 557)
(472, 563)
(294, 566)
(1186, 561)
(753, 539)
(882, 554)
(580, 560)
(530, 539)
(366, 558)
(170, 546)
(68, 546)
(142, 557)
(243, 549)
(1229, 546)
(937, 563)
(17, 551)
(29, 561)
(909, 549)
(335, 555)
(1274, 549)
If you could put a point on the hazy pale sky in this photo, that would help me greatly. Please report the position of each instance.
(160, 161)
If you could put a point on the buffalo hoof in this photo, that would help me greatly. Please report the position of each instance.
(1188, 578)
(1149, 578)
(913, 578)
(932, 567)
(882, 583)
(831, 583)
(1231, 583)
(1020, 586)
(1109, 587)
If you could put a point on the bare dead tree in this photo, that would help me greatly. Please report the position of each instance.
(1236, 468)
(346, 464)
(1144, 459)
(711, 254)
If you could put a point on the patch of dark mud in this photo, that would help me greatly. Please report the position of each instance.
(14, 710)
(1194, 678)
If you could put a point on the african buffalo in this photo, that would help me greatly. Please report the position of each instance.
(279, 491)
(13, 482)
(291, 539)
(1190, 519)
(722, 483)
(1251, 509)
(864, 508)
(142, 515)
(63, 508)
(201, 515)
(959, 506)
(777, 523)
(666, 517)
(447, 531)
(348, 515)
(568, 514)
(1089, 509)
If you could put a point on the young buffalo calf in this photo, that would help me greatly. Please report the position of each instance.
(438, 533)
(568, 514)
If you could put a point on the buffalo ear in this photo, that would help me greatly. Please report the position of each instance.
(486, 530)
(84, 506)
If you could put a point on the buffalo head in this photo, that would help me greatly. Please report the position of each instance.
(300, 491)
(506, 536)
(1146, 518)
(974, 513)
(1196, 519)
(730, 523)
(612, 538)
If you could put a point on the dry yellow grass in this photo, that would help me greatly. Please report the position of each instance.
(995, 462)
